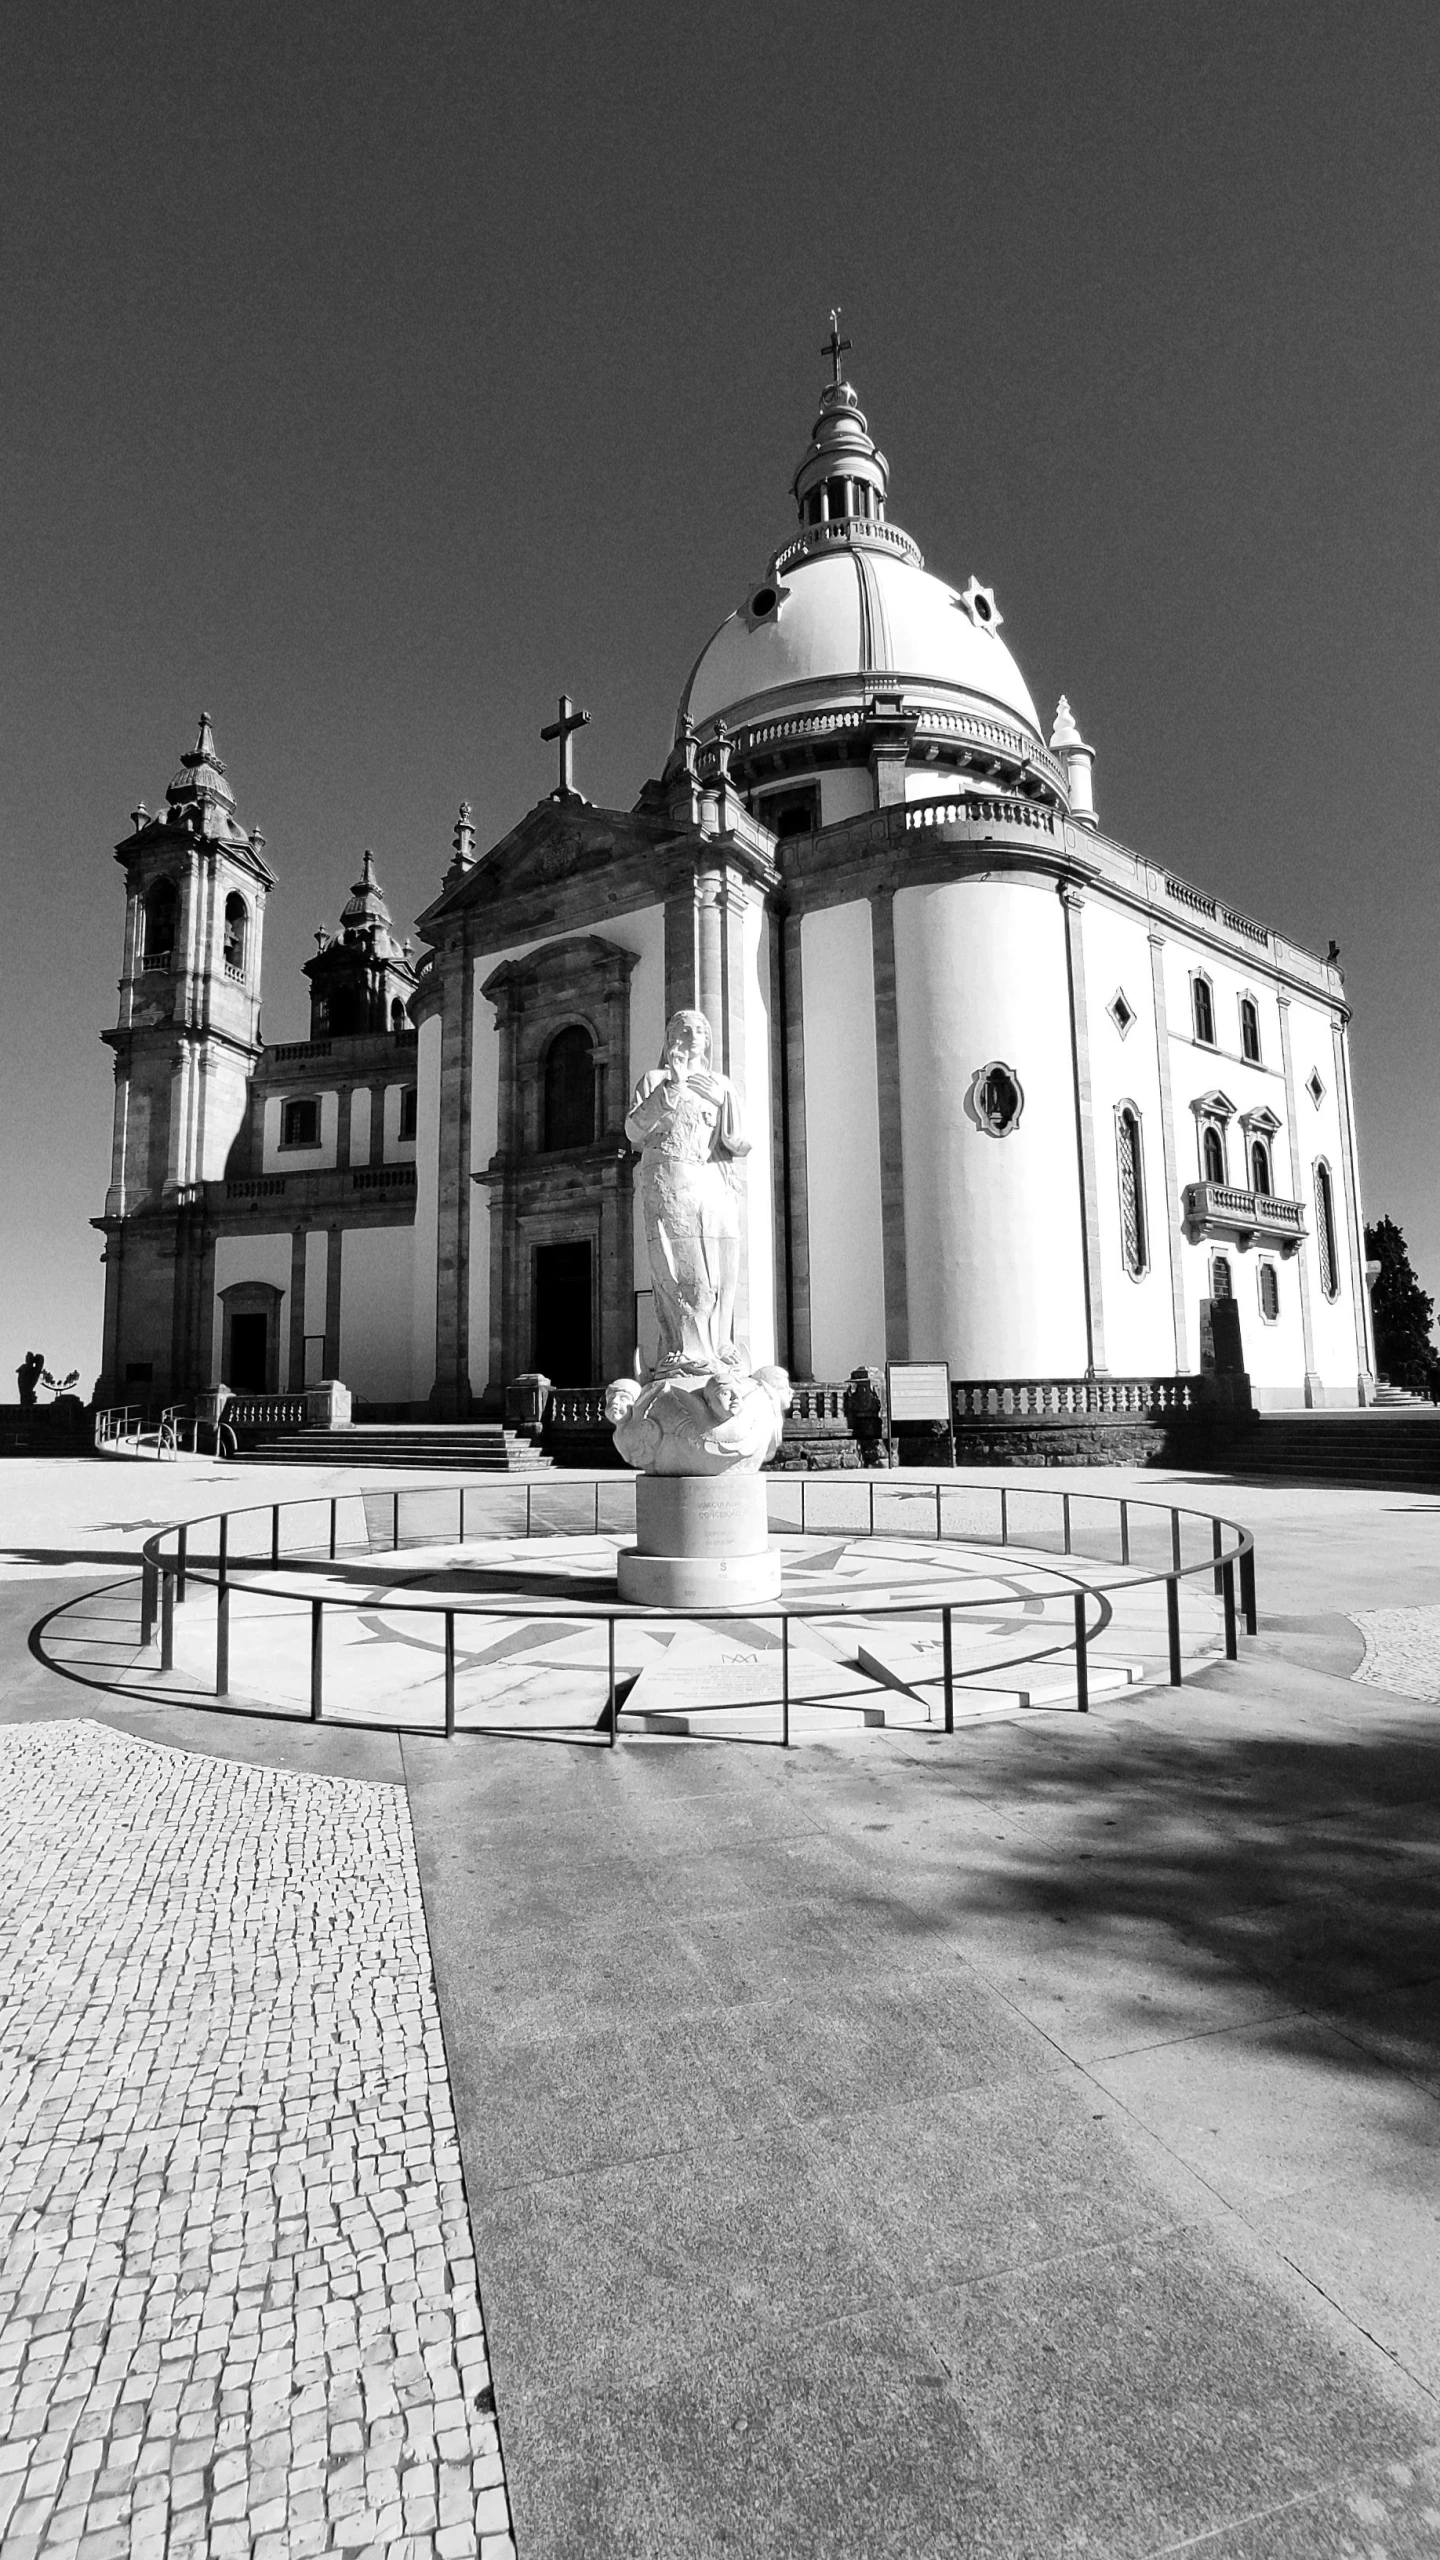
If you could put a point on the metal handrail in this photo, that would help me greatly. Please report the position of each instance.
(165, 1577)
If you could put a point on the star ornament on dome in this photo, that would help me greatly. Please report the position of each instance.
(979, 602)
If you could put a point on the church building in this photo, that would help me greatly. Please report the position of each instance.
(1018, 1098)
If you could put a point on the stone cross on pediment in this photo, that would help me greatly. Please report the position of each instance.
(563, 728)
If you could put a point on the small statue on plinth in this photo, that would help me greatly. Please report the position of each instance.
(701, 1426)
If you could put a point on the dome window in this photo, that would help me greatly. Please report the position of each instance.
(979, 602)
(237, 934)
(763, 604)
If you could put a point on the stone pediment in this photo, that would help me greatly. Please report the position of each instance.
(556, 841)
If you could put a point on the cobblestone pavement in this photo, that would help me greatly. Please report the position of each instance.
(1402, 1650)
(238, 2302)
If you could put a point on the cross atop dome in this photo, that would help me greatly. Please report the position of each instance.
(835, 347)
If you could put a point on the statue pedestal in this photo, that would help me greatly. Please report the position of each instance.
(701, 1542)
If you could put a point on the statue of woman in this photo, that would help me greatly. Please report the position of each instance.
(686, 1121)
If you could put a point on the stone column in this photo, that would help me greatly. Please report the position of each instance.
(450, 1395)
(791, 1157)
(334, 1252)
(296, 1373)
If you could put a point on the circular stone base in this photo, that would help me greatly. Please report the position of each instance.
(713, 1516)
(698, 1582)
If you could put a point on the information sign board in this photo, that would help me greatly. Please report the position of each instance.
(919, 1391)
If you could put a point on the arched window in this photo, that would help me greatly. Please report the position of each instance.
(569, 1117)
(162, 916)
(1133, 1241)
(397, 1015)
(996, 1099)
(1250, 1032)
(1202, 1005)
(237, 935)
(1325, 1232)
(1260, 1182)
(1212, 1152)
(1269, 1292)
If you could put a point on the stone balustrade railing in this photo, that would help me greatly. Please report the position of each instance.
(1026, 1402)
(982, 809)
(850, 529)
(1251, 1217)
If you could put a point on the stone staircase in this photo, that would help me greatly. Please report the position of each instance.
(1385, 1447)
(463, 1448)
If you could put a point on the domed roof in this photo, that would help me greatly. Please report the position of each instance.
(847, 609)
(845, 618)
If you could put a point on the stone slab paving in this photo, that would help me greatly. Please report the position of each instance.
(238, 2300)
(1402, 1651)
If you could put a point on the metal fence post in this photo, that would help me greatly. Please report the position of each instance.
(938, 1530)
(1175, 1557)
(167, 1620)
(460, 1540)
(395, 1523)
(334, 1526)
(449, 1675)
(1124, 1532)
(181, 1545)
(222, 1640)
(274, 1533)
(317, 1659)
(1065, 1520)
(1247, 1589)
(614, 1711)
(784, 1684)
(1227, 1584)
(1217, 1541)
(949, 1661)
(148, 1601)
(1082, 1658)
(1004, 1515)
(1172, 1621)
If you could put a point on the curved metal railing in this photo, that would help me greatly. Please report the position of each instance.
(170, 1562)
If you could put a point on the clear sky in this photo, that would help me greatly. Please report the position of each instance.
(374, 373)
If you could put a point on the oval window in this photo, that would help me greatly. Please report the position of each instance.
(763, 603)
(996, 1098)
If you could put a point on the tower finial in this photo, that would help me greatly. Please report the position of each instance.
(835, 347)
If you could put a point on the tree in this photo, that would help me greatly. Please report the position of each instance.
(1404, 1352)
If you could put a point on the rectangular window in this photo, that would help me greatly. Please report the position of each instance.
(409, 1105)
(1203, 1005)
(300, 1123)
(1250, 1030)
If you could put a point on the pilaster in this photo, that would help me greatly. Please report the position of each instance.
(793, 1210)
(1174, 1212)
(1074, 905)
(892, 1151)
(1354, 1215)
(1314, 1389)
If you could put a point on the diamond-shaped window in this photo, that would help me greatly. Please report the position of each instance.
(1121, 1011)
(1314, 1086)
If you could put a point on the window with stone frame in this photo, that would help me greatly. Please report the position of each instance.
(1134, 1238)
(1202, 1009)
(160, 914)
(237, 935)
(1269, 1280)
(1250, 1030)
(409, 1111)
(1325, 1240)
(300, 1121)
(1260, 1180)
(568, 1109)
(1212, 1151)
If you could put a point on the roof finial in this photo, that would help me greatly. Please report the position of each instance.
(835, 347)
(464, 837)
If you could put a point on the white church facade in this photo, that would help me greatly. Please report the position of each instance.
(1019, 1099)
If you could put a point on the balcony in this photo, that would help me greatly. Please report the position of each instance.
(1244, 1217)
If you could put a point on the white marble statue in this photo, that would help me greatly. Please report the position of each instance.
(714, 1426)
(685, 1118)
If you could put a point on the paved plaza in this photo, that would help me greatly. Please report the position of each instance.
(1021, 2142)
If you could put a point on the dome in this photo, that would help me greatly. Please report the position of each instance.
(847, 628)
(846, 618)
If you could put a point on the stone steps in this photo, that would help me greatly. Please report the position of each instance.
(1385, 1448)
(463, 1448)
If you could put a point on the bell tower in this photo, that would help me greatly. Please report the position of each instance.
(186, 1044)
